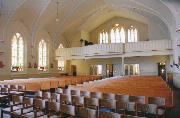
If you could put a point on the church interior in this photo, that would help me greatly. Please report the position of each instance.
(89, 59)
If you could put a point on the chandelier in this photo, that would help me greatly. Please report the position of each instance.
(57, 11)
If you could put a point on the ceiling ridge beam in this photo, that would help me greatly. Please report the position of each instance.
(73, 10)
(35, 27)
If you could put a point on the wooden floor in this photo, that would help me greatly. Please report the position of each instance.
(134, 86)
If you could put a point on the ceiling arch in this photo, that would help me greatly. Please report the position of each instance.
(139, 8)
(173, 6)
(84, 14)
(8, 9)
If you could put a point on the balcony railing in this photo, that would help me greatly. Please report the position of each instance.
(103, 49)
(147, 46)
(116, 50)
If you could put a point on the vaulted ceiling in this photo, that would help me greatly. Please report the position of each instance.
(76, 15)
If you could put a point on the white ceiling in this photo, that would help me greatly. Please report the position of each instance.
(76, 15)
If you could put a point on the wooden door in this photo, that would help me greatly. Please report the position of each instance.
(109, 70)
(162, 70)
(73, 70)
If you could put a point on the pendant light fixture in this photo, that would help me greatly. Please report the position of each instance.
(57, 11)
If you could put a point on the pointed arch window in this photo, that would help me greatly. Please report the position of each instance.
(61, 46)
(132, 34)
(61, 63)
(123, 37)
(17, 55)
(117, 34)
(103, 37)
(42, 56)
(113, 39)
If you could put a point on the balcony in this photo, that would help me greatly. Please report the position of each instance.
(149, 48)
(142, 48)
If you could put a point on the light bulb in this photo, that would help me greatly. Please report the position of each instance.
(57, 19)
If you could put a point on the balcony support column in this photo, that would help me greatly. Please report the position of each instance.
(85, 63)
(122, 65)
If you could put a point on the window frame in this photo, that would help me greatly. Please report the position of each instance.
(135, 69)
(61, 61)
(43, 56)
(132, 32)
(18, 65)
(103, 37)
(118, 34)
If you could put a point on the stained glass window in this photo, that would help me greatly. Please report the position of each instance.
(61, 64)
(132, 34)
(103, 37)
(117, 34)
(17, 56)
(42, 55)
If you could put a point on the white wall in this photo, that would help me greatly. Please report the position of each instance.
(157, 30)
(85, 35)
(14, 27)
(30, 50)
(117, 69)
(148, 65)
(123, 22)
(80, 35)
(154, 29)
(76, 40)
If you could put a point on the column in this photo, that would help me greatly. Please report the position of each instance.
(85, 63)
(122, 66)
